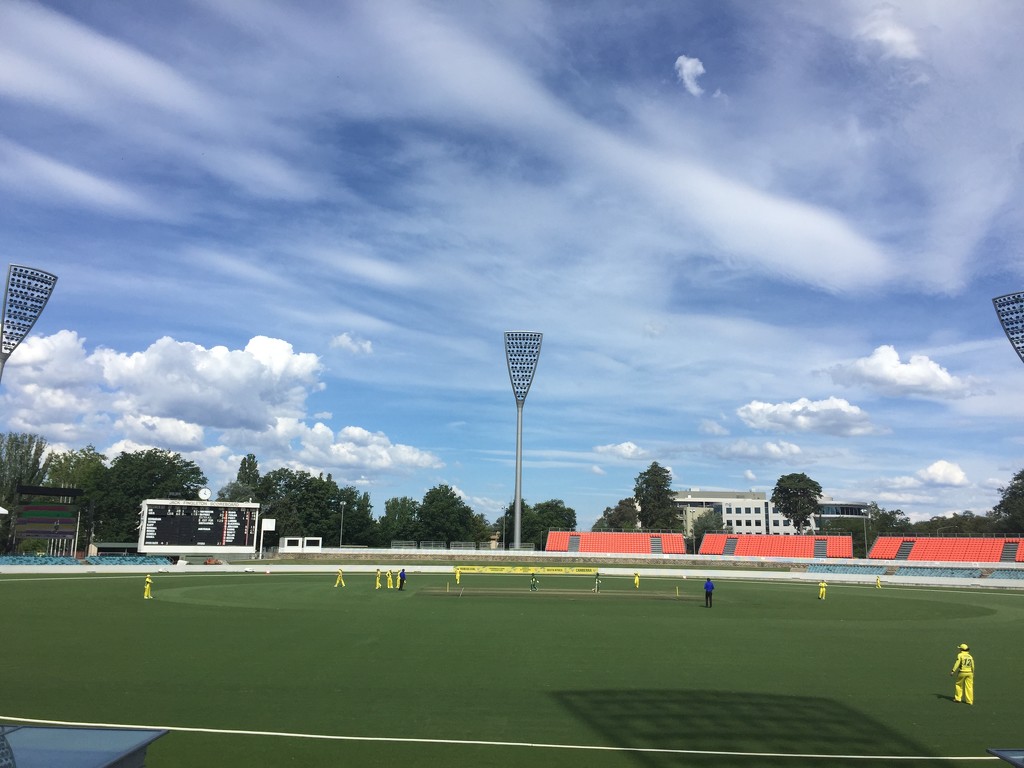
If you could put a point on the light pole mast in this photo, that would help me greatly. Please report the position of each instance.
(25, 294)
(1010, 309)
(522, 351)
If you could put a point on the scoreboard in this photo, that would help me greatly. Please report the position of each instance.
(173, 526)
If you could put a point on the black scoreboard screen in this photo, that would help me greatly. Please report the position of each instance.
(184, 526)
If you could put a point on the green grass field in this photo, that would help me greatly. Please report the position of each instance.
(490, 674)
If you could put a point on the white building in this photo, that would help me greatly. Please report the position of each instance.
(752, 511)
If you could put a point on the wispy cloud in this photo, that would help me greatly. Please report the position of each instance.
(688, 70)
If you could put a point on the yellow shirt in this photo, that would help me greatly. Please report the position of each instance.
(964, 663)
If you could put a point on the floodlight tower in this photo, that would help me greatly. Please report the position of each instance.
(1010, 309)
(25, 294)
(522, 351)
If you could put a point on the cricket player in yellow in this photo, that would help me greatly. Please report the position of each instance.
(821, 589)
(377, 583)
(341, 579)
(878, 582)
(636, 581)
(963, 668)
(147, 592)
(391, 580)
(458, 575)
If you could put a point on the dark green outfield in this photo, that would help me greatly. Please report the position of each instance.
(770, 669)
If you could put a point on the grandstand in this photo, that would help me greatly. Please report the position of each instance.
(616, 542)
(949, 549)
(771, 545)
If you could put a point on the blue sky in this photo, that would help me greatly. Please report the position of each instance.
(759, 238)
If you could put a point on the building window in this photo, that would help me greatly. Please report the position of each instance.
(758, 522)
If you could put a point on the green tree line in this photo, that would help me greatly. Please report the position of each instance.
(303, 504)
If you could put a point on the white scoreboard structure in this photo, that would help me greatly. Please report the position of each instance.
(203, 527)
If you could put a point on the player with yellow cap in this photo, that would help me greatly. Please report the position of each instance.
(963, 668)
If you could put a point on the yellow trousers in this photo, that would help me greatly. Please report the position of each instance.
(963, 688)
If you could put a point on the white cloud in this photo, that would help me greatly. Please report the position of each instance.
(884, 372)
(172, 434)
(938, 474)
(743, 449)
(627, 450)
(944, 473)
(711, 427)
(349, 343)
(688, 70)
(749, 475)
(833, 416)
(227, 389)
(882, 28)
(596, 470)
(214, 403)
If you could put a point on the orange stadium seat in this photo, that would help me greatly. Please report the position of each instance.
(713, 543)
(949, 549)
(558, 541)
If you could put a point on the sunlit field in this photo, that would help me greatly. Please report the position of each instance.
(488, 673)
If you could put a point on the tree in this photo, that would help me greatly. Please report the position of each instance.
(85, 469)
(400, 521)
(243, 487)
(621, 517)
(444, 516)
(360, 527)
(653, 494)
(1008, 515)
(23, 460)
(796, 497)
(536, 521)
(134, 477)
(886, 520)
(248, 471)
(304, 505)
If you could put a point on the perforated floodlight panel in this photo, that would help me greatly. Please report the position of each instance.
(1010, 309)
(26, 294)
(522, 351)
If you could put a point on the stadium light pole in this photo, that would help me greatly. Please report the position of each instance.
(522, 351)
(25, 294)
(1010, 310)
(341, 533)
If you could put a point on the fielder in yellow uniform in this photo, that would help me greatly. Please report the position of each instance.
(963, 668)
(341, 579)
(147, 592)
(377, 584)
(821, 589)
(636, 581)
(458, 574)
(391, 580)
(878, 582)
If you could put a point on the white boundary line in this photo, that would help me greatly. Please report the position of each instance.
(480, 743)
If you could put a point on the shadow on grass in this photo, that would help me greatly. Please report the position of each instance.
(734, 722)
